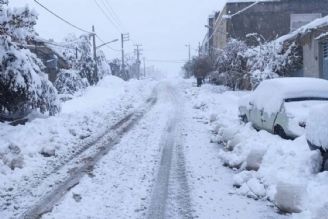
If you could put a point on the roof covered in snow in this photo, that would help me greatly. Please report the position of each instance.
(244, 1)
(317, 25)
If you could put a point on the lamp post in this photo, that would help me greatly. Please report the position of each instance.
(104, 44)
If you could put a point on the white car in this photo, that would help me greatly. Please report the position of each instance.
(281, 106)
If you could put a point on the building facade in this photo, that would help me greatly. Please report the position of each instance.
(268, 19)
(315, 52)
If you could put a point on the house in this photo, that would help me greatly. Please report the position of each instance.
(53, 61)
(269, 19)
(313, 39)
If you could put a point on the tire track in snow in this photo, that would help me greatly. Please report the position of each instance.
(113, 136)
(171, 190)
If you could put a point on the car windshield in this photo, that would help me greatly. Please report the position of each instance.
(299, 99)
(299, 107)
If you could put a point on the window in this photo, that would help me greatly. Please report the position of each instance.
(325, 50)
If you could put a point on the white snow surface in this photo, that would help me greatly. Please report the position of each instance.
(265, 171)
(317, 126)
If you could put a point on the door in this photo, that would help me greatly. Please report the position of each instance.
(324, 58)
(256, 117)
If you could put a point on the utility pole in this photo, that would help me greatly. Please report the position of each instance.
(124, 38)
(95, 76)
(94, 43)
(138, 53)
(189, 51)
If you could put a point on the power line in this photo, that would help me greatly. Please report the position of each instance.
(62, 19)
(107, 16)
(167, 61)
(112, 12)
(76, 27)
(229, 17)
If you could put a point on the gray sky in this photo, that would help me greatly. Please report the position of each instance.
(163, 27)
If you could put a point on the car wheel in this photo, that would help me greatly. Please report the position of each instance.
(244, 119)
(278, 130)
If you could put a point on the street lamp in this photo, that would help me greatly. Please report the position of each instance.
(104, 44)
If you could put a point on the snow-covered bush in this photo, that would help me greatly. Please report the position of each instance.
(243, 67)
(271, 60)
(23, 85)
(103, 64)
(198, 67)
(69, 82)
(115, 67)
(230, 65)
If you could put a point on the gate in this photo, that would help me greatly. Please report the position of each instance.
(324, 60)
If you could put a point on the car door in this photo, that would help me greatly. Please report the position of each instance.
(268, 119)
(255, 116)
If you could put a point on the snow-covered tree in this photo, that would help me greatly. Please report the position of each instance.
(103, 64)
(187, 70)
(79, 54)
(271, 60)
(69, 82)
(231, 65)
(23, 85)
(115, 66)
(242, 67)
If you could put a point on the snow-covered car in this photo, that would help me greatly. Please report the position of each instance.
(317, 131)
(281, 106)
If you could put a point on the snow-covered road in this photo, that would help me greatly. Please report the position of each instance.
(164, 167)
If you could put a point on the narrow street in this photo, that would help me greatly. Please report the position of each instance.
(162, 166)
(120, 109)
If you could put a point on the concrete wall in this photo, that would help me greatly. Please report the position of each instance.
(270, 19)
(311, 67)
(220, 34)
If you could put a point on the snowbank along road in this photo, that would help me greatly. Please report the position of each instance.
(85, 159)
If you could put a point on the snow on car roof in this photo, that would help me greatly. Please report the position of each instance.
(270, 94)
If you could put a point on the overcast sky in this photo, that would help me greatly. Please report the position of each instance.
(162, 27)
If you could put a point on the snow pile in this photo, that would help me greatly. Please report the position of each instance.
(267, 167)
(45, 142)
(317, 126)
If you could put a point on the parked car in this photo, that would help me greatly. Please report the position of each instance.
(317, 132)
(281, 106)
